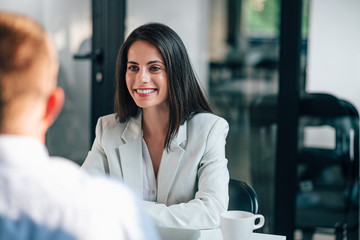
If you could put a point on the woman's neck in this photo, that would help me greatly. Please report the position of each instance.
(155, 122)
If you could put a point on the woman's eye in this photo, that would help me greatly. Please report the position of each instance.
(133, 68)
(154, 68)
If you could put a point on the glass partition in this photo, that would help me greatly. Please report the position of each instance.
(243, 86)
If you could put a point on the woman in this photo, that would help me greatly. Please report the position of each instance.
(163, 139)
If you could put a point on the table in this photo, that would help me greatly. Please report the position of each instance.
(243, 91)
(215, 234)
(233, 100)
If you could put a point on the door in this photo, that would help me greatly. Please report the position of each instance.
(108, 35)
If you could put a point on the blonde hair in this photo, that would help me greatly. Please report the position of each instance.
(23, 44)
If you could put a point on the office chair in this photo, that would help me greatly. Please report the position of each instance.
(328, 177)
(242, 197)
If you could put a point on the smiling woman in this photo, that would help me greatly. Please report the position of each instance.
(163, 140)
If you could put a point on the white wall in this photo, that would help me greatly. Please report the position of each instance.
(188, 18)
(334, 48)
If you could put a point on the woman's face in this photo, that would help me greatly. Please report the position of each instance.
(146, 77)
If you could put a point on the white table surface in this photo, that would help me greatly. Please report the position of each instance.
(215, 234)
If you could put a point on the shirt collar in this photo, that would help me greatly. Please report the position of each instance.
(16, 149)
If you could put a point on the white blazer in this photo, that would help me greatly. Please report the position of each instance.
(192, 178)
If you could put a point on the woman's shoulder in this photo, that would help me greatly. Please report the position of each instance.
(206, 119)
(206, 126)
(110, 123)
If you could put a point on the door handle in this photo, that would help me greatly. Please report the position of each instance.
(97, 56)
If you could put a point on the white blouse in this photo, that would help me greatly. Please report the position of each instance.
(149, 180)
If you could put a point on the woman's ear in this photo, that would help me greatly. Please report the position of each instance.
(54, 104)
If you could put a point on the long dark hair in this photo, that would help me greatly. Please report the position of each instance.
(185, 95)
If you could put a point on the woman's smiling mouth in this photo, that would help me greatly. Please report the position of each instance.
(145, 91)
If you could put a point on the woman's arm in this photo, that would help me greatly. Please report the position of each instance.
(96, 160)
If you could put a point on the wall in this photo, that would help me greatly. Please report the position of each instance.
(334, 48)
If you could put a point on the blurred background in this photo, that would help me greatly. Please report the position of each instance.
(234, 46)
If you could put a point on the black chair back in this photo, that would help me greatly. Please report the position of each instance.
(328, 176)
(242, 197)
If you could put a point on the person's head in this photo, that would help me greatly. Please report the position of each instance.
(185, 96)
(29, 98)
(146, 77)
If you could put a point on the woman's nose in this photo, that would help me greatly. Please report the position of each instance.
(143, 76)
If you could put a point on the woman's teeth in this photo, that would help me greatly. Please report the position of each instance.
(145, 91)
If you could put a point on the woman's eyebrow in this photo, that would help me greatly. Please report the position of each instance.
(155, 61)
(150, 62)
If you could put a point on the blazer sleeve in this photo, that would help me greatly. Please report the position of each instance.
(211, 198)
(96, 160)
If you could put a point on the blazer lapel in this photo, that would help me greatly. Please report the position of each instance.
(131, 155)
(169, 164)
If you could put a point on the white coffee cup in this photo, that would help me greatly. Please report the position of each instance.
(239, 225)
